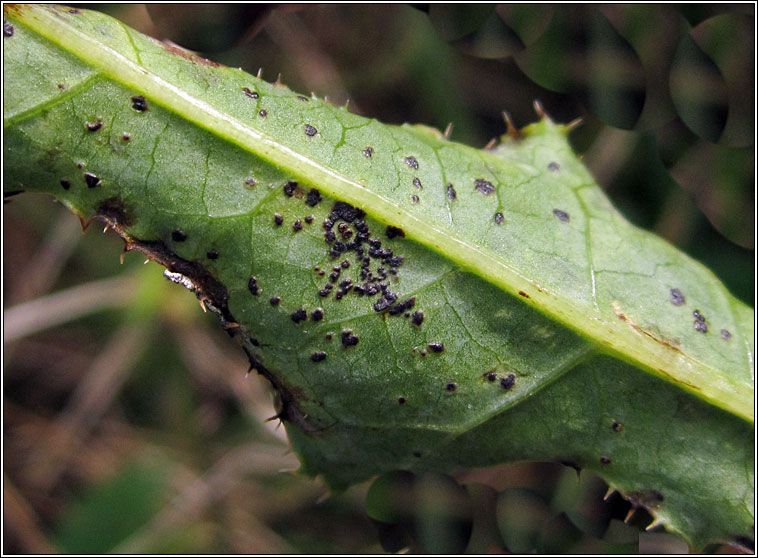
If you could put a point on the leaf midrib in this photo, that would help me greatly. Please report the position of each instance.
(613, 337)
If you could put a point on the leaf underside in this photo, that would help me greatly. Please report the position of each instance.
(416, 303)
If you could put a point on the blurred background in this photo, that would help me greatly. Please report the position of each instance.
(129, 424)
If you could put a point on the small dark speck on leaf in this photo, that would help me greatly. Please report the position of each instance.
(313, 198)
(368, 152)
(299, 315)
(310, 130)
(491, 376)
(700, 326)
(262, 113)
(126, 137)
(605, 460)
(417, 183)
(212, 254)
(414, 198)
(411, 162)
(522, 293)
(553, 167)
(252, 285)
(309, 219)
(452, 386)
(275, 300)
(348, 339)
(508, 382)
(725, 334)
(616, 426)
(92, 180)
(139, 103)
(483, 186)
(329, 336)
(66, 184)
(451, 195)
(317, 315)
(393, 232)
(301, 98)
(297, 225)
(401, 400)
(418, 317)
(416, 454)
(677, 298)
(80, 165)
(698, 316)
(94, 126)
(318, 356)
(278, 219)
(250, 93)
(289, 188)
(250, 182)
(562, 215)
(7, 29)
(436, 347)
(178, 235)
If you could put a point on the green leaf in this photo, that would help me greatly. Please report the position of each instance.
(552, 328)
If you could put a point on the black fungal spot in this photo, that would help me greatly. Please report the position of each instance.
(92, 180)
(418, 317)
(212, 254)
(345, 264)
(553, 167)
(79, 166)
(436, 347)
(289, 188)
(313, 198)
(299, 315)
(411, 162)
(394, 232)
(368, 152)
(414, 198)
(699, 322)
(278, 219)
(8, 29)
(94, 126)
(274, 301)
(329, 336)
(126, 137)
(297, 226)
(250, 93)
(402, 307)
(178, 235)
(309, 219)
(452, 386)
(301, 98)
(499, 219)
(451, 195)
(318, 356)
(252, 285)
(605, 460)
(262, 113)
(562, 215)
(483, 186)
(66, 184)
(310, 131)
(417, 184)
(416, 454)
(348, 339)
(346, 212)
(508, 382)
(382, 304)
(616, 426)
(139, 103)
(677, 298)
(317, 315)
(491, 376)
(725, 334)
(401, 400)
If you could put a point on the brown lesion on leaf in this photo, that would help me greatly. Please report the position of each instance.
(672, 344)
(213, 295)
(186, 54)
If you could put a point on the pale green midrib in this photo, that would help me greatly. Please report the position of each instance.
(711, 384)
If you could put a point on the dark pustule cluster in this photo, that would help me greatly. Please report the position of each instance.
(726, 335)
(139, 103)
(677, 298)
(8, 29)
(178, 235)
(318, 356)
(418, 318)
(411, 162)
(345, 232)
(483, 186)
(278, 219)
(699, 322)
(92, 180)
(562, 215)
(252, 285)
(262, 113)
(212, 254)
(348, 339)
(299, 315)
(499, 219)
(436, 347)
(451, 195)
(368, 152)
(553, 167)
(65, 184)
(508, 382)
(289, 188)
(313, 198)
(310, 131)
